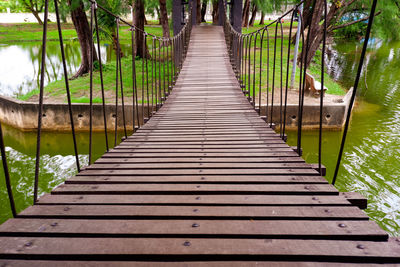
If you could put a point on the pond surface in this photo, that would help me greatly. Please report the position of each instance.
(20, 71)
(371, 162)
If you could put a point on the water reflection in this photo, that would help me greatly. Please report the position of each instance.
(371, 162)
(57, 163)
(19, 68)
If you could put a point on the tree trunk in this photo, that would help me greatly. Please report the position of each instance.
(253, 15)
(37, 17)
(245, 14)
(158, 15)
(203, 11)
(164, 18)
(133, 12)
(215, 12)
(198, 11)
(313, 21)
(262, 22)
(82, 28)
(141, 51)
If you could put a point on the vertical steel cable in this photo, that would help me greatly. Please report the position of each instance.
(101, 77)
(135, 101)
(298, 149)
(260, 82)
(91, 84)
(116, 93)
(249, 69)
(121, 80)
(143, 64)
(267, 107)
(67, 85)
(40, 113)
(321, 97)
(353, 95)
(273, 75)
(147, 78)
(163, 61)
(158, 103)
(254, 69)
(7, 174)
(304, 70)
(168, 81)
(173, 60)
(281, 83)
(152, 75)
(287, 70)
(159, 72)
(246, 64)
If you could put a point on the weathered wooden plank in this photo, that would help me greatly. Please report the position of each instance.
(207, 212)
(214, 200)
(260, 229)
(125, 154)
(150, 165)
(204, 248)
(55, 263)
(157, 160)
(200, 171)
(288, 189)
(206, 179)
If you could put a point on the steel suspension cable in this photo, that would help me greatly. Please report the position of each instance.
(66, 78)
(354, 93)
(7, 174)
(40, 113)
(103, 101)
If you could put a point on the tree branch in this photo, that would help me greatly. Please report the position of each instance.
(351, 22)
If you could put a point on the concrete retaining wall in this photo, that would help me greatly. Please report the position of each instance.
(23, 115)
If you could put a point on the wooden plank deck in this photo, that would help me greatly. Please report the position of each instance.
(204, 183)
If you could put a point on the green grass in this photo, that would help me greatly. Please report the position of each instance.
(80, 87)
(33, 32)
(268, 63)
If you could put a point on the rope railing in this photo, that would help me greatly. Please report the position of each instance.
(166, 57)
(254, 57)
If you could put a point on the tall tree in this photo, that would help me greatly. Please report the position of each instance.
(33, 6)
(262, 22)
(215, 12)
(107, 22)
(164, 18)
(141, 49)
(245, 13)
(82, 28)
(253, 14)
(198, 11)
(204, 10)
(313, 17)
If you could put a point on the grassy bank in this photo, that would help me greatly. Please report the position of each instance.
(268, 61)
(32, 32)
(80, 87)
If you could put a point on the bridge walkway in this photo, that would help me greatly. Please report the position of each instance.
(205, 182)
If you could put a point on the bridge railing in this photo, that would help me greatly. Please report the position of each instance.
(161, 63)
(262, 62)
(265, 64)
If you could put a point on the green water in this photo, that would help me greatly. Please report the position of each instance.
(371, 160)
(57, 163)
(21, 73)
(371, 163)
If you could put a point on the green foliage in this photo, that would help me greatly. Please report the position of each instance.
(271, 5)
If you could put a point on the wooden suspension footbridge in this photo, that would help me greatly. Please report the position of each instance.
(205, 182)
